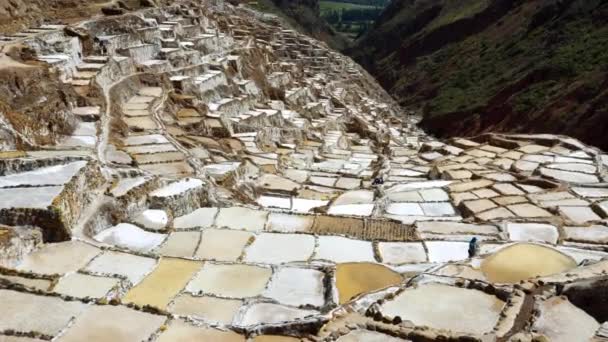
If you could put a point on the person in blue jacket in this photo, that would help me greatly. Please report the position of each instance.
(473, 246)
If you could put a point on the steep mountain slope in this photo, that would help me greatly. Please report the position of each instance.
(496, 65)
(18, 15)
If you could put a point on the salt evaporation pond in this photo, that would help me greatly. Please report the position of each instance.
(441, 306)
(524, 261)
(353, 279)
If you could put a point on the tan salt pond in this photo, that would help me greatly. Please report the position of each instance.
(159, 287)
(208, 308)
(353, 279)
(181, 331)
(235, 281)
(524, 261)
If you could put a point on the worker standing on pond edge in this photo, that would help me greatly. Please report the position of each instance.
(473, 246)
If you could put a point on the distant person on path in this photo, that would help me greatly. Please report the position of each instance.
(473, 246)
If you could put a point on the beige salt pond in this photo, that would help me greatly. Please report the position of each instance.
(165, 282)
(525, 261)
(353, 279)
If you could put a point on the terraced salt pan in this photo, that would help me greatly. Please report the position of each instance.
(524, 261)
(445, 307)
(579, 215)
(274, 248)
(368, 336)
(445, 251)
(274, 202)
(570, 177)
(202, 217)
(145, 140)
(126, 184)
(404, 209)
(180, 244)
(59, 258)
(591, 192)
(210, 309)
(340, 249)
(82, 285)
(28, 312)
(297, 287)
(152, 158)
(353, 279)
(132, 267)
(230, 281)
(155, 148)
(153, 219)
(397, 253)
(38, 198)
(355, 197)
(165, 282)
(112, 323)
(418, 186)
(242, 218)
(270, 314)
(351, 209)
(533, 232)
(131, 237)
(561, 321)
(286, 223)
(593, 234)
(274, 182)
(37, 284)
(182, 331)
(168, 169)
(222, 244)
(52, 175)
(302, 205)
(178, 187)
(437, 209)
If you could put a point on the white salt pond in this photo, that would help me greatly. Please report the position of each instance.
(297, 286)
(446, 307)
(202, 217)
(178, 187)
(274, 248)
(52, 175)
(152, 219)
(340, 249)
(561, 321)
(351, 209)
(268, 313)
(131, 237)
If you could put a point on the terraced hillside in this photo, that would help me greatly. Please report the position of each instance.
(199, 171)
(486, 66)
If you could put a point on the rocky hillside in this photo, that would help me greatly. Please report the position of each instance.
(17, 15)
(496, 65)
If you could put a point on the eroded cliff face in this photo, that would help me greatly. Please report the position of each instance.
(482, 66)
(35, 106)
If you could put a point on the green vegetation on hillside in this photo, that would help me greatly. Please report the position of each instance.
(329, 6)
(352, 19)
(525, 66)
